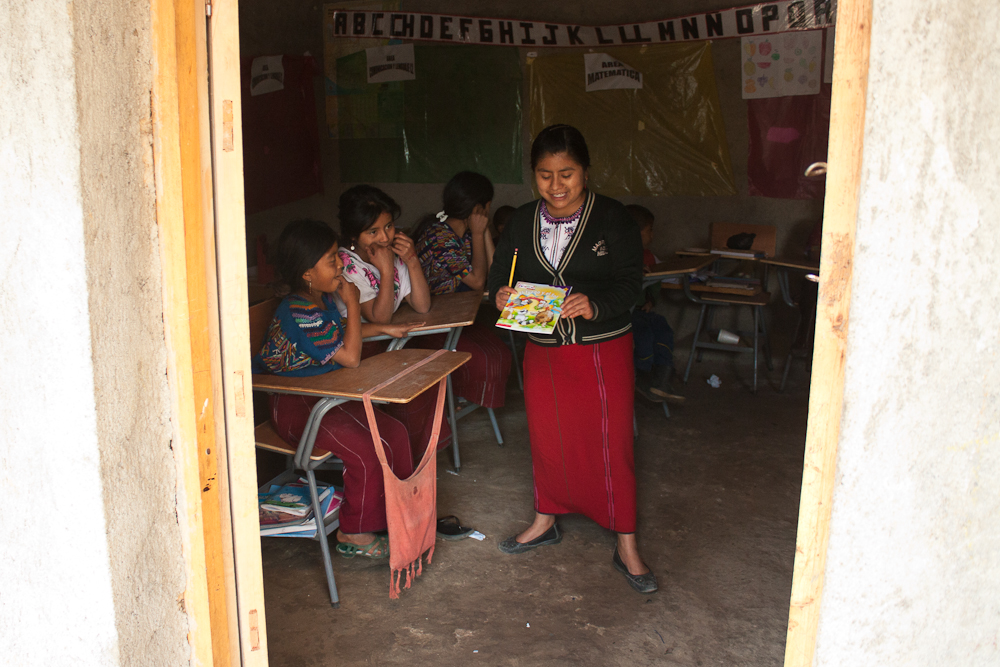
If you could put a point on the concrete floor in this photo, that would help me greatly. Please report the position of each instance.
(718, 488)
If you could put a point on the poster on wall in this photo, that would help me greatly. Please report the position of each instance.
(267, 75)
(606, 73)
(782, 65)
(391, 63)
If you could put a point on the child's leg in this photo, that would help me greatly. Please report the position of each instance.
(643, 340)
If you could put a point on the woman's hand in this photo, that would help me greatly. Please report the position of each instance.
(576, 305)
(502, 295)
(403, 246)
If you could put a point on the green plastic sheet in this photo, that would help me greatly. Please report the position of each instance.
(666, 138)
(462, 112)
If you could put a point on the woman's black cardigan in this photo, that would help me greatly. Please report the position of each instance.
(603, 261)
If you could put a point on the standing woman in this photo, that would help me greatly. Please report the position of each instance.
(579, 380)
(455, 250)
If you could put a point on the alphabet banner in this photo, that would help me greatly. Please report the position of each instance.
(761, 19)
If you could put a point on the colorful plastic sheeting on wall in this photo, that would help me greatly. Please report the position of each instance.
(461, 112)
(666, 138)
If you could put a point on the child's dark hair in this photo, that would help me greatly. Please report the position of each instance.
(359, 208)
(501, 216)
(560, 139)
(642, 215)
(300, 246)
(461, 195)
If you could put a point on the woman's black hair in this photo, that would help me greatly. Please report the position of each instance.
(300, 246)
(560, 139)
(462, 194)
(359, 208)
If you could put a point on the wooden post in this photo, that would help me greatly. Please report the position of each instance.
(847, 128)
(230, 231)
(168, 160)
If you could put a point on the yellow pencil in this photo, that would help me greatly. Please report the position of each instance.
(510, 281)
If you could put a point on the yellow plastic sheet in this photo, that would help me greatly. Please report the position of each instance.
(664, 139)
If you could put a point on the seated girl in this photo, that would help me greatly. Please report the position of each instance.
(309, 336)
(455, 251)
(380, 261)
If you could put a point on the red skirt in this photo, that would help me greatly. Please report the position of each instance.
(579, 402)
(483, 379)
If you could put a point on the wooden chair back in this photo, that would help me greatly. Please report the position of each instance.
(765, 240)
(260, 319)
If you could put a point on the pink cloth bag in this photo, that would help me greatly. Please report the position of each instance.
(410, 504)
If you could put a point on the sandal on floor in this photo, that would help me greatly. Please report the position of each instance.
(449, 528)
(377, 549)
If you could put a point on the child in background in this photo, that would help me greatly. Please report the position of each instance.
(653, 339)
(500, 217)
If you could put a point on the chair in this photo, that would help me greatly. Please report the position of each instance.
(709, 298)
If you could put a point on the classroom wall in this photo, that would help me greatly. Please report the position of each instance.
(91, 557)
(913, 567)
(294, 27)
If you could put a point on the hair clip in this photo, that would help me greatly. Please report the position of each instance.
(442, 216)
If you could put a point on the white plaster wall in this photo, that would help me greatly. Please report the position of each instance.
(91, 564)
(114, 73)
(913, 567)
(56, 607)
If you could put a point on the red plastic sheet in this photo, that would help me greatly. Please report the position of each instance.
(281, 161)
(787, 134)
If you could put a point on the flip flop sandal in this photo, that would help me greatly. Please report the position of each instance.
(377, 549)
(449, 528)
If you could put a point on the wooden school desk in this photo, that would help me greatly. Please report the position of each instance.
(339, 386)
(449, 314)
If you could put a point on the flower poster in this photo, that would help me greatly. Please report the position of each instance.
(783, 64)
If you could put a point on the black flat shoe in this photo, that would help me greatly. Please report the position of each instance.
(642, 583)
(512, 546)
(449, 528)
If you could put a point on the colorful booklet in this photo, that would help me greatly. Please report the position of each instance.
(533, 308)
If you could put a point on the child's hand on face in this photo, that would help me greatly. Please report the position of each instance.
(402, 245)
(478, 222)
(382, 258)
(348, 292)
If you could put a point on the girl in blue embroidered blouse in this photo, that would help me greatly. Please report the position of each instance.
(308, 335)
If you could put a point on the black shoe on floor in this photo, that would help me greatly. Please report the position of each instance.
(512, 546)
(642, 583)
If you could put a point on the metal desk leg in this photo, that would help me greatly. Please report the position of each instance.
(496, 427)
(756, 330)
(324, 546)
(454, 427)
(694, 343)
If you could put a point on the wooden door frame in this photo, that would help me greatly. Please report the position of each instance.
(219, 122)
(826, 392)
